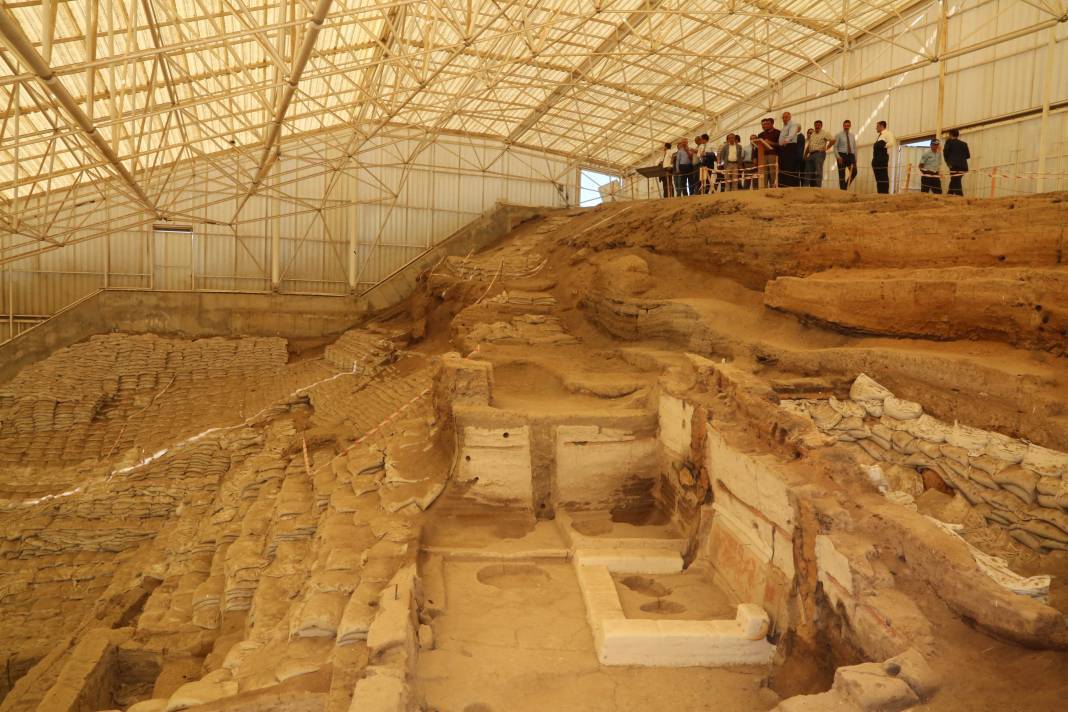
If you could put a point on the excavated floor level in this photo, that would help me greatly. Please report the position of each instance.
(518, 640)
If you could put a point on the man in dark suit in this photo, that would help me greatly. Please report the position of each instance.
(955, 154)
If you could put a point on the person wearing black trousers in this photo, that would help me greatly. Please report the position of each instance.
(955, 153)
(845, 151)
(880, 160)
(931, 169)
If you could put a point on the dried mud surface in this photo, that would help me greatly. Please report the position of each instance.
(220, 518)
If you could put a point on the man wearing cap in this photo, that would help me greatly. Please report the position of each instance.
(931, 169)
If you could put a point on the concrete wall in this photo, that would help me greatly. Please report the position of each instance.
(189, 314)
(313, 229)
(495, 463)
(604, 467)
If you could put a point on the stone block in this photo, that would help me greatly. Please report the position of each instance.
(394, 626)
(753, 621)
(156, 704)
(830, 701)
(871, 688)
(200, 692)
(379, 692)
(631, 561)
(599, 592)
(913, 668)
(887, 622)
(679, 643)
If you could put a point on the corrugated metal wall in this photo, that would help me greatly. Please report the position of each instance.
(397, 199)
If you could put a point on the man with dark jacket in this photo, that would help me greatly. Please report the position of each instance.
(955, 154)
(768, 158)
(880, 157)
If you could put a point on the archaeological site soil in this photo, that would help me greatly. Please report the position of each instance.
(790, 450)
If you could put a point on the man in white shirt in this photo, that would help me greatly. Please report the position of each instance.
(931, 169)
(816, 153)
(789, 156)
(881, 153)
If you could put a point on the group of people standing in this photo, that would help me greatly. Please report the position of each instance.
(787, 157)
(955, 154)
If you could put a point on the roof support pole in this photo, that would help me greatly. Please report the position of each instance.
(90, 55)
(21, 45)
(943, 30)
(1043, 127)
(276, 246)
(48, 28)
(315, 24)
(354, 242)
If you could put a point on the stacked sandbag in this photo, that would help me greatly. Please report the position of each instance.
(360, 351)
(207, 602)
(518, 300)
(525, 329)
(214, 686)
(117, 391)
(245, 563)
(1015, 484)
(317, 615)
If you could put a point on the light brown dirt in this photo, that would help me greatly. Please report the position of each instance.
(279, 519)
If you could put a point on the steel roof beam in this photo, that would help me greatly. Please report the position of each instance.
(605, 49)
(21, 46)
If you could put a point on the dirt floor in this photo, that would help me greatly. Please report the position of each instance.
(516, 638)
